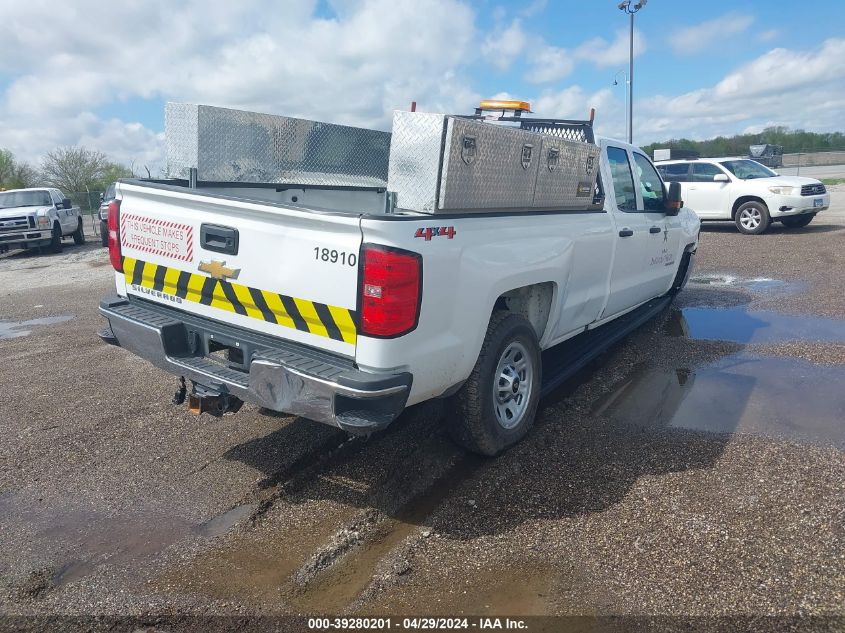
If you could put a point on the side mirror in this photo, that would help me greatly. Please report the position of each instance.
(721, 178)
(673, 200)
(66, 203)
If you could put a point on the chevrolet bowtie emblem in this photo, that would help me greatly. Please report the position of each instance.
(219, 270)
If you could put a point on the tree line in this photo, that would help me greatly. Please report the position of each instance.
(793, 141)
(71, 169)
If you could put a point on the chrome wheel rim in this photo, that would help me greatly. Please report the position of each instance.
(513, 383)
(750, 218)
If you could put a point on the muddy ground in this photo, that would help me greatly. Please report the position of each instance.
(695, 469)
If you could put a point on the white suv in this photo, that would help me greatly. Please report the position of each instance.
(746, 192)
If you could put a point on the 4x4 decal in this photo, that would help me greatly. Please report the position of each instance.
(436, 231)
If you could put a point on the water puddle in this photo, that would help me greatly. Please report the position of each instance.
(757, 284)
(17, 329)
(753, 326)
(221, 524)
(774, 397)
(339, 585)
(82, 539)
(263, 565)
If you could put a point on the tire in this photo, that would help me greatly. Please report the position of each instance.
(79, 234)
(752, 218)
(798, 221)
(104, 233)
(56, 245)
(477, 417)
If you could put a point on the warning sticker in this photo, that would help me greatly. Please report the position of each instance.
(158, 237)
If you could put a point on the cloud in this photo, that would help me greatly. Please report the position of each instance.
(533, 8)
(768, 36)
(503, 46)
(699, 37)
(802, 89)
(602, 53)
(353, 67)
(550, 63)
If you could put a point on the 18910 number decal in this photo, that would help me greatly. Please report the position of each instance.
(334, 256)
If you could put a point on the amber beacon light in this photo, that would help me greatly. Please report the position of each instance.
(505, 104)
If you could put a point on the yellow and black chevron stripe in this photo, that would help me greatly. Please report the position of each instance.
(300, 314)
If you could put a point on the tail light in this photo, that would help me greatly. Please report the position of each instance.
(391, 291)
(114, 236)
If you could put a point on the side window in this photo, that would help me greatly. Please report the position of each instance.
(57, 199)
(623, 179)
(651, 187)
(109, 195)
(677, 172)
(704, 172)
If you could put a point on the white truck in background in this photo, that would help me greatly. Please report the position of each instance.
(38, 218)
(347, 304)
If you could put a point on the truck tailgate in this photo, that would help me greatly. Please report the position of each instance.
(284, 272)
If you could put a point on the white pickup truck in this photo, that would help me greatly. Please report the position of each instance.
(38, 218)
(344, 306)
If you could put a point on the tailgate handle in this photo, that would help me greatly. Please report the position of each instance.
(220, 239)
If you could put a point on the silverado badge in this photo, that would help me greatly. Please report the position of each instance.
(219, 270)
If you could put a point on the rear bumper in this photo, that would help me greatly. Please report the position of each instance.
(279, 375)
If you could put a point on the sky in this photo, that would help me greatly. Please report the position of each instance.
(98, 73)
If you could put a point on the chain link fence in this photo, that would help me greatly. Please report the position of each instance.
(89, 205)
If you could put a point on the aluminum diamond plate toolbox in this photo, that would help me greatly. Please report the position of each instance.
(238, 146)
(487, 166)
(415, 153)
(566, 174)
(441, 163)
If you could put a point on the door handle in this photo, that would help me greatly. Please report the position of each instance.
(655, 229)
(626, 233)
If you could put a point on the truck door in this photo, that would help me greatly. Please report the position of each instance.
(68, 223)
(647, 240)
(708, 198)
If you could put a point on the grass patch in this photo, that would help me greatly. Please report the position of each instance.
(833, 181)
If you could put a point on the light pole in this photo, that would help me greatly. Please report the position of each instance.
(625, 6)
(616, 83)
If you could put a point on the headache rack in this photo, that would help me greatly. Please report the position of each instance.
(580, 131)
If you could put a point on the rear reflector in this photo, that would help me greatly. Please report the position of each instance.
(391, 291)
(114, 236)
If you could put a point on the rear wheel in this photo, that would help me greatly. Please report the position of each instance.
(496, 406)
(752, 218)
(79, 233)
(56, 245)
(798, 221)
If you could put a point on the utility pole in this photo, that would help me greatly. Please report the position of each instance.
(631, 10)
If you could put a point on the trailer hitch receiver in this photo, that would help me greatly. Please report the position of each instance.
(215, 404)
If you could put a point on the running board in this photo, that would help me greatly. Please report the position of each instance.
(563, 361)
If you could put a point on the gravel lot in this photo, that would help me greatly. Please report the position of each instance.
(696, 469)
